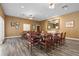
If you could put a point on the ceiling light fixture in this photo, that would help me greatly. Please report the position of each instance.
(65, 7)
(52, 5)
(30, 16)
(22, 7)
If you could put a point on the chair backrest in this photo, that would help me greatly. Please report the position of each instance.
(50, 38)
(29, 38)
(61, 35)
(64, 35)
(56, 37)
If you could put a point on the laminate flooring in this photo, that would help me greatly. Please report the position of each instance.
(19, 47)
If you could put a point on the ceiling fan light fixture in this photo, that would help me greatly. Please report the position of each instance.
(30, 16)
(52, 5)
(65, 7)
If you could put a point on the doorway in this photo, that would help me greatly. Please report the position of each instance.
(38, 28)
(1, 30)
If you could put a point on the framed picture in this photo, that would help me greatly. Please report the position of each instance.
(17, 26)
(69, 24)
(12, 24)
(34, 27)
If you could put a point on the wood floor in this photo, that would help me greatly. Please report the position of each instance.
(18, 47)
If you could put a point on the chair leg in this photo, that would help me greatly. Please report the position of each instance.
(53, 46)
(46, 49)
(56, 44)
(30, 48)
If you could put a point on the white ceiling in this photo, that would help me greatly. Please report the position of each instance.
(40, 11)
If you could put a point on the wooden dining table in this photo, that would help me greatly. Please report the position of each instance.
(39, 38)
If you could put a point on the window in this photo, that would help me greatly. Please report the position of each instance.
(26, 27)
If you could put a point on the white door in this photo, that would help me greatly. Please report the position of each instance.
(1, 30)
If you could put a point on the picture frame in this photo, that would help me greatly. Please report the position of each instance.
(69, 24)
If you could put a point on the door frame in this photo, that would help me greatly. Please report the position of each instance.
(3, 31)
(36, 27)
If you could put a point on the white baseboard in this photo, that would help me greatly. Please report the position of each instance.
(12, 36)
(72, 38)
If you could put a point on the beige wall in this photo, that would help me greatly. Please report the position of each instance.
(43, 25)
(74, 31)
(71, 32)
(12, 31)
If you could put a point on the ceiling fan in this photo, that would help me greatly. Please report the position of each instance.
(52, 5)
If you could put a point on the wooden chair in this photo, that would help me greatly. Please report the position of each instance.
(63, 38)
(23, 35)
(31, 41)
(52, 41)
(46, 43)
(56, 39)
(60, 38)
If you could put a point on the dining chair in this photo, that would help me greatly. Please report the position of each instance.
(56, 39)
(60, 38)
(52, 41)
(64, 37)
(31, 40)
(46, 43)
(23, 35)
